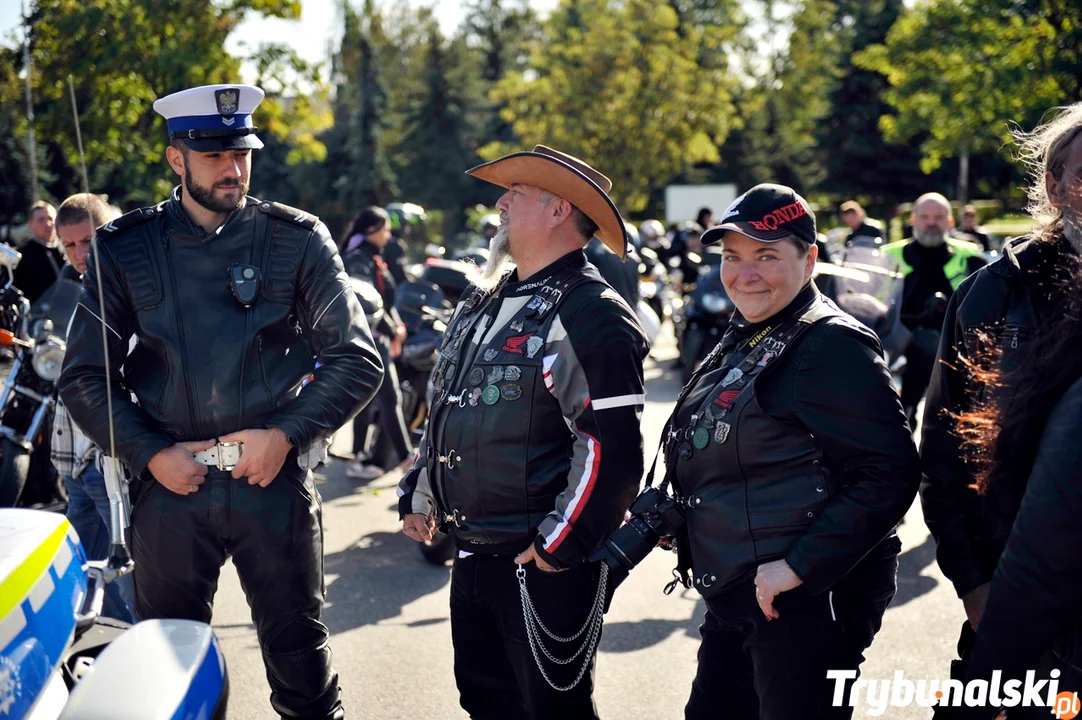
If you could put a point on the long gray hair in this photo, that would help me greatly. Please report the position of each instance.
(1045, 150)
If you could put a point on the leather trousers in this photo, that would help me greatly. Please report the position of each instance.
(275, 537)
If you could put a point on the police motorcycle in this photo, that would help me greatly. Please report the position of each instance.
(34, 336)
(58, 657)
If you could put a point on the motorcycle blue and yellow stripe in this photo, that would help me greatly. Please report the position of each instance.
(43, 581)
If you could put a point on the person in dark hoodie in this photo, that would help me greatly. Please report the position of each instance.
(995, 315)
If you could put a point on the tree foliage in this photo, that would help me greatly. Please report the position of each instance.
(961, 71)
(122, 55)
(620, 84)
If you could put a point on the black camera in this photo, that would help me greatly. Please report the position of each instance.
(654, 515)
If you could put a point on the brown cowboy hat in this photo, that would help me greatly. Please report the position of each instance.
(567, 177)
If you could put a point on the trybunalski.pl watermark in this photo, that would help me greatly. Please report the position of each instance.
(877, 695)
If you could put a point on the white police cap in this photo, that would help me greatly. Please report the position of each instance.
(211, 118)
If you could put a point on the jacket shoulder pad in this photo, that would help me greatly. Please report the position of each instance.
(126, 222)
(289, 214)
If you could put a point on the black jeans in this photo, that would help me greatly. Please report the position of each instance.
(752, 669)
(393, 444)
(495, 669)
(275, 536)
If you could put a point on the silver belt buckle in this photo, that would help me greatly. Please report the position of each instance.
(221, 447)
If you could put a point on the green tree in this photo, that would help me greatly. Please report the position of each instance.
(859, 161)
(789, 96)
(620, 84)
(14, 172)
(122, 55)
(436, 146)
(370, 179)
(961, 71)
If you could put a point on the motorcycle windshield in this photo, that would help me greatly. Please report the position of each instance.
(58, 305)
(867, 271)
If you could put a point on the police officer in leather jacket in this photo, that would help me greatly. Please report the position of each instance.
(232, 301)
(533, 451)
(791, 454)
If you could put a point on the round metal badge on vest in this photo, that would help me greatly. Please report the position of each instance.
(511, 391)
(477, 375)
(685, 451)
(490, 395)
(701, 438)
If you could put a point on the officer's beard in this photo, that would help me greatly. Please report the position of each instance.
(205, 196)
(931, 237)
(499, 260)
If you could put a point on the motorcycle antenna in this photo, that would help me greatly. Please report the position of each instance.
(119, 561)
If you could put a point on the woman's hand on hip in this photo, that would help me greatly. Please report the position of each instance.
(771, 580)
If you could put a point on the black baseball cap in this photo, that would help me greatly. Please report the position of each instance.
(767, 213)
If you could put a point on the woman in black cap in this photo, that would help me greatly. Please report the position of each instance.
(790, 452)
(361, 250)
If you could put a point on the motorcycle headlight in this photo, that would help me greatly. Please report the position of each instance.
(715, 303)
(48, 359)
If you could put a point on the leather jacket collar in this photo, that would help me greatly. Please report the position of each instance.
(514, 286)
(177, 217)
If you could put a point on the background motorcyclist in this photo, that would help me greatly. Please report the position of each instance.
(862, 230)
(75, 455)
(622, 275)
(368, 236)
(934, 264)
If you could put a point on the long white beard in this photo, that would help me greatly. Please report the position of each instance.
(499, 261)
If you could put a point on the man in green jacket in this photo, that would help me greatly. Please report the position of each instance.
(932, 262)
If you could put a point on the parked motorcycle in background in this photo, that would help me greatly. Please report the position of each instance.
(707, 313)
(867, 283)
(34, 337)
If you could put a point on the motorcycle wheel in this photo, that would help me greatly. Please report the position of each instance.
(14, 469)
(439, 549)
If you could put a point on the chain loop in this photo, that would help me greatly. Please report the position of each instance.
(591, 628)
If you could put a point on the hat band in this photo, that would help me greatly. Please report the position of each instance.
(205, 134)
(209, 122)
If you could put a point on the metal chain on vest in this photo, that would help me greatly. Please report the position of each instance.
(591, 628)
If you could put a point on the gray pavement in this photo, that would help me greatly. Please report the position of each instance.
(387, 612)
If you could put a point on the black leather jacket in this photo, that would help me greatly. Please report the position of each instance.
(816, 464)
(204, 366)
(1004, 303)
(1033, 620)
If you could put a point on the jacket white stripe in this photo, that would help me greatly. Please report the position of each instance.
(589, 474)
(619, 401)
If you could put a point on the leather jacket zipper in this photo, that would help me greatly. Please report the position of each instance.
(263, 374)
(180, 335)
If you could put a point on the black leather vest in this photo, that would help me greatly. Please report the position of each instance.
(499, 448)
(755, 484)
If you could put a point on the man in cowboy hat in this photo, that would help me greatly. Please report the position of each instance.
(532, 452)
